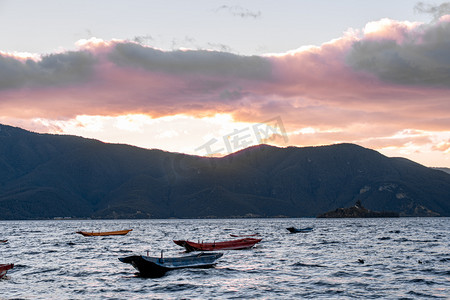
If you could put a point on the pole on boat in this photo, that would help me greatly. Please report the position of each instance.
(162, 258)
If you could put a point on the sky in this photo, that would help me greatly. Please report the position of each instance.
(213, 77)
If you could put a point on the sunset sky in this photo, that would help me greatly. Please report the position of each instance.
(211, 77)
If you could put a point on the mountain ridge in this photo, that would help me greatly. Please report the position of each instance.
(48, 175)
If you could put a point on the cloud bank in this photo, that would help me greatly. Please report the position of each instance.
(401, 53)
(365, 86)
(51, 71)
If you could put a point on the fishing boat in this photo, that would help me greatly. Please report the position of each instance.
(105, 233)
(296, 230)
(239, 244)
(4, 268)
(244, 235)
(158, 266)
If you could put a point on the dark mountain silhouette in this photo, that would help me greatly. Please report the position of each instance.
(47, 176)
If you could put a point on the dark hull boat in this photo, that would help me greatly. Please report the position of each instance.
(4, 268)
(296, 230)
(3, 241)
(240, 244)
(156, 267)
(119, 232)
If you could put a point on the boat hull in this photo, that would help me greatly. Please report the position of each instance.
(119, 232)
(4, 268)
(244, 235)
(154, 267)
(240, 244)
(297, 230)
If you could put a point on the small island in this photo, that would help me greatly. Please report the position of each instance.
(357, 211)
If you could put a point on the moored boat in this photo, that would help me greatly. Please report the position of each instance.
(3, 241)
(105, 233)
(245, 243)
(296, 230)
(157, 266)
(244, 235)
(4, 268)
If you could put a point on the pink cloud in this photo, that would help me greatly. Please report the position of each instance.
(395, 75)
(444, 146)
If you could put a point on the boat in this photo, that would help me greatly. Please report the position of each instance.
(4, 268)
(158, 266)
(296, 230)
(105, 233)
(244, 235)
(3, 241)
(245, 243)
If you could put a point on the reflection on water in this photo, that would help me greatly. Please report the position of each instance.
(343, 258)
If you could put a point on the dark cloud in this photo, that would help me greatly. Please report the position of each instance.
(194, 62)
(220, 47)
(436, 11)
(143, 39)
(416, 58)
(239, 11)
(234, 94)
(52, 70)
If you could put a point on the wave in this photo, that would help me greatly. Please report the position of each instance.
(176, 287)
(418, 294)
(424, 281)
(299, 264)
(42, 271)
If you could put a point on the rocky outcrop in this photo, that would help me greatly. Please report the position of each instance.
(357, 211)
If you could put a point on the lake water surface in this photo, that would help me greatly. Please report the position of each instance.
(405, 258)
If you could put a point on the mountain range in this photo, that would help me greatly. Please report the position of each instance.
(46, 176)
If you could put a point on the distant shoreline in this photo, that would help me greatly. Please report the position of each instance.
(221, 218)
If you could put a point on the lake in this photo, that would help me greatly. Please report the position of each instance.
(396, 258)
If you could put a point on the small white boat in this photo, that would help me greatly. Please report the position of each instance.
(158, 266)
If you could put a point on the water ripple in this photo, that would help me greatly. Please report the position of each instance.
(341, 259)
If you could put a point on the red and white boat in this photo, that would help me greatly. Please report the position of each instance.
(4, 268)
(245, 243)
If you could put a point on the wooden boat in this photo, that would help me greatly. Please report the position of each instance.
(158, 266)
(244, 235)
(119, 232)
(296, 230)
(244, 243)
(4, 268)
